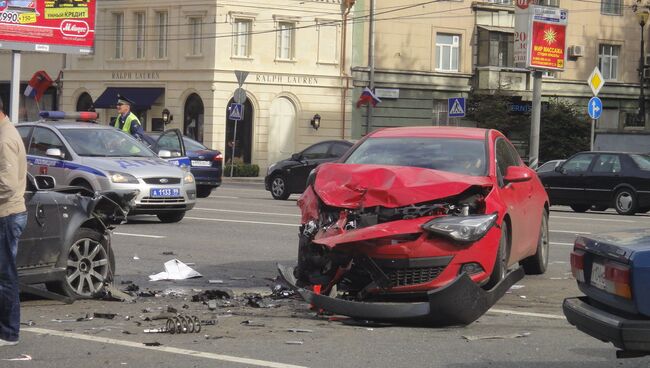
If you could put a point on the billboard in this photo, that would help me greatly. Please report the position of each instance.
(540, 36)
(61, 26)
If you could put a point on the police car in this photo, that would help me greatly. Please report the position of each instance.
(102, 158)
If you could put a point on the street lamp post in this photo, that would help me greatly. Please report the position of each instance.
(642, 14)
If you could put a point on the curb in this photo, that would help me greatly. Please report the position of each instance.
(242, 180)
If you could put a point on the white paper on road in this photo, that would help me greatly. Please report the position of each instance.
(175, 270)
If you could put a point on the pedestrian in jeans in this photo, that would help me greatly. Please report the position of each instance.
(13, 218)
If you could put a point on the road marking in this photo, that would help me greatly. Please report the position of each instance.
(241, 222)
(226, 197)
(247, 212)
(165, 349)
(556, 243)
(142, 235)
(526, 314)
(568, 232)
(590, 219)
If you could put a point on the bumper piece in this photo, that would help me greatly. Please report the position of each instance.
(441, 309)
(631, 335)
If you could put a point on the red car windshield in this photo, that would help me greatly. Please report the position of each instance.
(462, 156)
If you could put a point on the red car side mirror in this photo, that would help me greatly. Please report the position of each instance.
(517, 174)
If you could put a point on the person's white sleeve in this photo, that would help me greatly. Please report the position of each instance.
(7, 174)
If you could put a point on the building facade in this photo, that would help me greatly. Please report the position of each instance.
(182, 56)
(427, 53)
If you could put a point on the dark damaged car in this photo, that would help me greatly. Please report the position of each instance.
(66, 244)
(420, 225)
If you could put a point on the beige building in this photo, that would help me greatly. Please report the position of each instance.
(427, 53)
(182, 56)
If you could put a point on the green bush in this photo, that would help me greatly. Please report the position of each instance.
(242, 170)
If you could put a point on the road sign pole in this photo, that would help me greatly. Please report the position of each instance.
(15, 86)
(234, 143)
(533, 149)
(593, 129)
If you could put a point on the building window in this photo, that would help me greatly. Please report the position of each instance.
(118, 21)
(285, 32)
(447, 52)
(505, 2)
(608, 60)
(140, 26)
(611, 7)
(242, 37)
(495, 48)
(162, 20)
(551, 3)
(196, 32)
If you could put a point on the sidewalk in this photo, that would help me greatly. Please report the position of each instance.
(242, 180)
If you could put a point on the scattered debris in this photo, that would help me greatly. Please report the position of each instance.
(152, 343)
(238, 278)
(135, 257)
(517, 287)
(282, 292)
(179, 325)
(126, 282)
(215, 281)
(251, 323)
(28, 323)
(104, 315)
(213, 294)
(175, 270)
(161, 315)
(294, 342)
(497, 337)
(212, 304)
(22, 357)
(257, 301)
(168, 253)
(299, 330)
(358, 322)
(110, 293)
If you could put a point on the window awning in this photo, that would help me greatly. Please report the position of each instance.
(143, 98)
(497, 29)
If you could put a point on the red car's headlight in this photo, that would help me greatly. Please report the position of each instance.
(463, 229)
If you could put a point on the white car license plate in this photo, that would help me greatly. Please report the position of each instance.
(165, 192)
(201, 163)
(598, 275)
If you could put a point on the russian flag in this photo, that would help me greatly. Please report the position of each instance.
(37, 86)
(368, 97)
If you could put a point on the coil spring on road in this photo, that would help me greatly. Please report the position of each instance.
(183, 324)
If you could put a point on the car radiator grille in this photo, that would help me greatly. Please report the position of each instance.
(165, 179)
(163, 200)
(413, 276)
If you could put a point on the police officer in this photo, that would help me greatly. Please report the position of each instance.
(128, 122)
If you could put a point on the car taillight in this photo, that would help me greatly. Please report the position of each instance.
(578, 264)
(218, 158)
(580, 243)
(617, 279)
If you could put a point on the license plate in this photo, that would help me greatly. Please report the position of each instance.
(165, 192)
(201, 163)
(598, 275)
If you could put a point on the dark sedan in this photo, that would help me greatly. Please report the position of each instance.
(289, 176)
(601, 180)
(205, 164)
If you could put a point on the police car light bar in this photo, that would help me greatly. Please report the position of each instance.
(58, 115)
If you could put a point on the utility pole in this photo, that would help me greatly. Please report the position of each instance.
(533, 150)
(371, 64)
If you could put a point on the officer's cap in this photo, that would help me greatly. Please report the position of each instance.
(122, 100)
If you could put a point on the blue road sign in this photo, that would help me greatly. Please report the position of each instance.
(236, 112)
(595, 107)
(456, 107)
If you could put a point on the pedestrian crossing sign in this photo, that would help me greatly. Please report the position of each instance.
(456, 107)
(236, 112)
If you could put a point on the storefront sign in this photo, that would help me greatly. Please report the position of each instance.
(540, 37)
(286, 79)
(387, 92)
(48, 26)
(135, 75)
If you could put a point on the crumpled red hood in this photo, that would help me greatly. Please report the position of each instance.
(359, 186)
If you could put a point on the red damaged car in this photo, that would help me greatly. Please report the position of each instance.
(420, 225)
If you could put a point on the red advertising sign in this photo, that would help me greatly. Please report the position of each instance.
(62, 26)
(548, 45)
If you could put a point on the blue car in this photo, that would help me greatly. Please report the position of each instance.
(205, 164)
(613, 271)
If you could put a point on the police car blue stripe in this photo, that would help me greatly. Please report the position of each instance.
(37, 160)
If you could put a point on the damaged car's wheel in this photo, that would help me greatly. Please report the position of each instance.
(89, 264)
(501, 263)
(536, 264)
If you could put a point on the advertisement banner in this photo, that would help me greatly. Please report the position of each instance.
(540, 36)
(60, 26)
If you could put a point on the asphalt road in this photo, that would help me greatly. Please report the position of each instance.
(237, 236)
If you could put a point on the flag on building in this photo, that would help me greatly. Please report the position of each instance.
(368, 97)
(37, 86)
